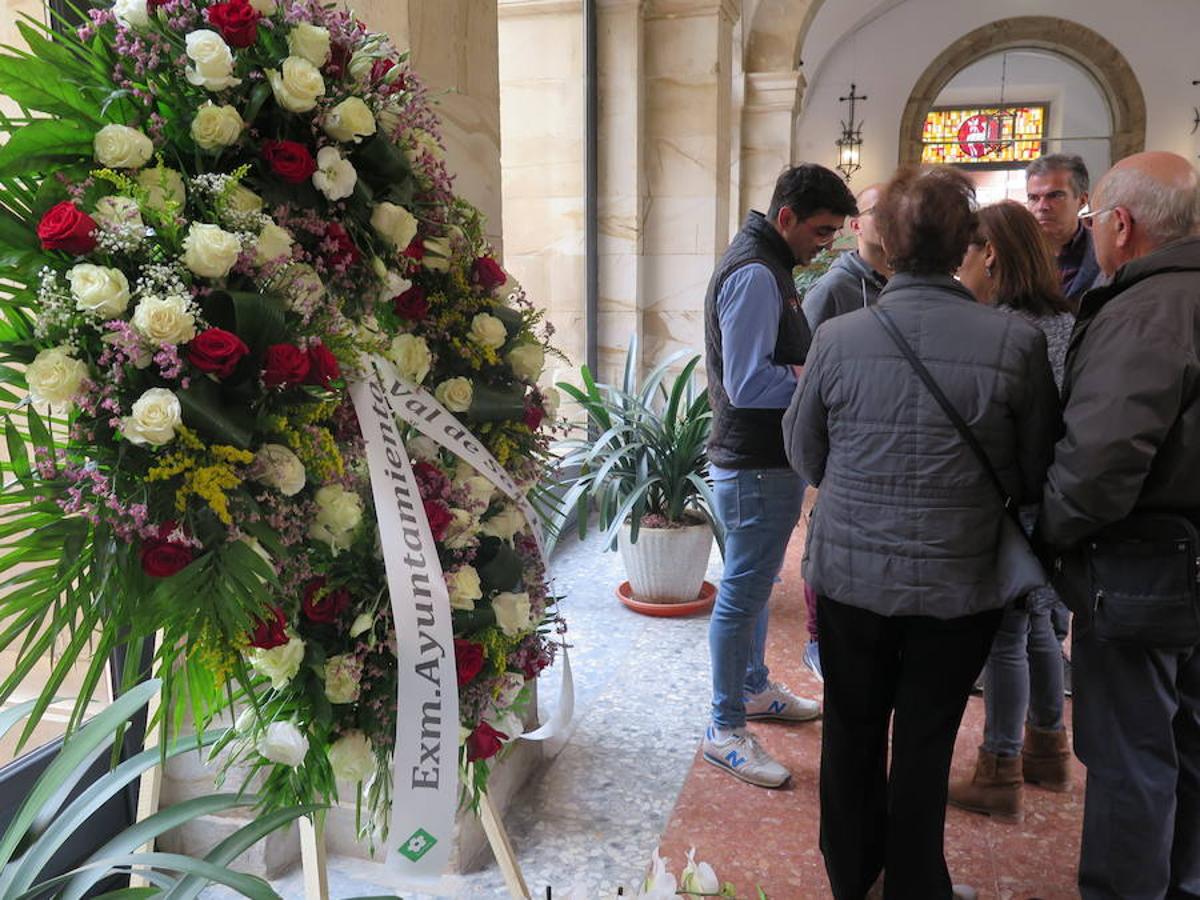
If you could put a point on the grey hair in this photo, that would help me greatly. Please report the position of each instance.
(1062, 162)
(1165, 211)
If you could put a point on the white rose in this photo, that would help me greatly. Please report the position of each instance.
(264, 7)
(122, 147)
(420, 447)
(335, 177)
(342, 676)
(350, 120)
(273, 242)
(277, 466)
(527, 361)
(165, 320)
(477, 487)
(132, 13)
(551, 400)
(102, 291)
(154, 417)
(214, 127)
(299, 85)
(162, 185)
(460, 532)
(488, 331)
(394, 224)
(411, 356)
(116, 211)
(302, 286)
(512, 612)
(454, 394)
(243, 200)
(280, 664)
(393, 286)
(310, 43)
(464, 587)
(352, 758)
(338, 513)
(212, 61)
(361, 624)
(505, 523)
(54, 376)
(284, 744)
(209, 250)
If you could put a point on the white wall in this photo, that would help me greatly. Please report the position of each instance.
(885, 45)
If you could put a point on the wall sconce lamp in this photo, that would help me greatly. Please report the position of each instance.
(850, 143)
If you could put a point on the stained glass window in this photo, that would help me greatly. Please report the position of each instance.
(983, 135)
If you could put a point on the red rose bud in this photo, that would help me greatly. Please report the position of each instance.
(439, 517)
(415, 250)
(381, 67)
(468, 660)
(162, 557)
(412, 304)
(66, 227)
(339, 58)
(271, 631)
(338, 248)
(322, 605)
(484, 742)
(322, 365)
(237, 21)
(217, 352)
(488, 274)
(289, 160)
(286, 364)
(533, 416)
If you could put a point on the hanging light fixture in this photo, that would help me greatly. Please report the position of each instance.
(850, 143)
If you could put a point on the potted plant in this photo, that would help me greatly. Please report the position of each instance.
(644, 466)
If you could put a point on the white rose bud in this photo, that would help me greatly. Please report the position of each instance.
(132, 13)
(411, 356)
(54, 376)
(116, 211)
(350, 120)
(210, 251)
(243, 200)
(277, 466)
(212, 61)
(280, 664)
(122, 147)
(335, 177)
(394, 224)
(488, 331)
(699, 878)
(342, 676)
(214, 127)
(454, 394)
(352, 758)
(273, 242)
(512, 612)
(362, 623)
(99, 290)
(420, 447)
(163, 185)
(464, 587)
(310, 43)
(165, 320)
(527, 361)
(505, 523)
(297, 88)
(264, 7)
(154, 417)
(551, 400)
(339, 512)
(284, 744)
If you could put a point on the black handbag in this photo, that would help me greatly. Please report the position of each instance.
(1018, 570)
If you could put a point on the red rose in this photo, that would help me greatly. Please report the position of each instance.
(439, 517)
(290, 161)
(162, 557)
(322, 605)
(286, 364)
(431, 481)
(412, 304)
(271, 631)
(66, 227)
(533, 416)
(484, 742)
(217, 351)
(338, 248)
(237, 21)
(322, 365)
(468, 660)
(488, 274)
(381, 67)
(415, 250)
(152, 5)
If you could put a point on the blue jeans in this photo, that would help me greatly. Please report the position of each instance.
(759, 509)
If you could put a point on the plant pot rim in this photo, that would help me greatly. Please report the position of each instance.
(708, 593)
(675, 526)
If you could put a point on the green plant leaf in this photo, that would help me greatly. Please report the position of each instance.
(42, 146)
(205, 410)
(247, 885)
(37, 84)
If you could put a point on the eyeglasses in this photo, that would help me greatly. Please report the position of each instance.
(1089, 218)
(866, 212)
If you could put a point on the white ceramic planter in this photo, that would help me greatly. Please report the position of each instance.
(666, 565)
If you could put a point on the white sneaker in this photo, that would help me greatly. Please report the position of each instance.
(777, 702)
(740, 754)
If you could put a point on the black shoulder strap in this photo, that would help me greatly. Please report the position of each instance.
(943, 401)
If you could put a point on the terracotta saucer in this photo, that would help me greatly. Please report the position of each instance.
(708, 593)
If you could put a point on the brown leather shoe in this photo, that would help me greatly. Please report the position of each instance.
(994, 790)
(1046, 759)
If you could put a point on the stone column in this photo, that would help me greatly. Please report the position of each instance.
(772, 102)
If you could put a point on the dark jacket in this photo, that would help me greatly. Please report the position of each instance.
(744, 438)
(1089, 275)
(907, 522)
(849, 284)
(1131, 417)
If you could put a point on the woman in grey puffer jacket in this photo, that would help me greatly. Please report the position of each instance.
(902, 543)
(1009, 265)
